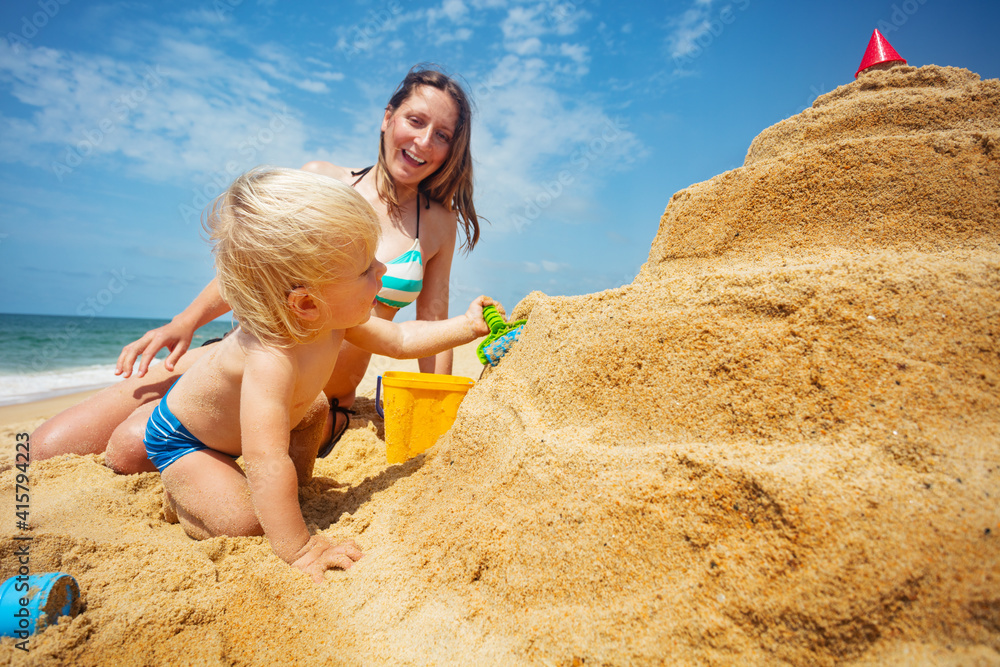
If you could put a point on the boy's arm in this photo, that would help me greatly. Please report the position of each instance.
(412, 340)
(265, 401)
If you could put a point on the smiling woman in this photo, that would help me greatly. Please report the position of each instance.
(421, 188)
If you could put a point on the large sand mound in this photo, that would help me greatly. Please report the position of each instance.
(781, 443)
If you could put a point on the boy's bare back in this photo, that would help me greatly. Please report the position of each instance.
(207, 398)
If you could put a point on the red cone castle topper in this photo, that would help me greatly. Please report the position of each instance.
(879, 51)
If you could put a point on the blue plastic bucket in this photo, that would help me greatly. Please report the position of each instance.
(30, 604)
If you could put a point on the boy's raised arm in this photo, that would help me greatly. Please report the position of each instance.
(419, 338)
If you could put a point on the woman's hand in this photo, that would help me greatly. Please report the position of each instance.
(319, 555)
(174, 336)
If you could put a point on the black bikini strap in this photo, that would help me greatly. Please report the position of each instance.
(360, 173)
(427, 206)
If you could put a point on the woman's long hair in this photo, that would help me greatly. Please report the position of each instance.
(451, 184)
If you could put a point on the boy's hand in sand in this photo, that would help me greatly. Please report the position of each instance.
(319, 555)
(475, 314)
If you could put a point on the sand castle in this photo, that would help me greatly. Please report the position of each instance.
(780, 444)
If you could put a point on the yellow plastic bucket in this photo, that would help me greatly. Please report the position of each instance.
(418, 408)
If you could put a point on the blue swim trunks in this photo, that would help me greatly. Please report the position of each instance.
(167, 439)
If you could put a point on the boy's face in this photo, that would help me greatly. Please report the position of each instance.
(350, 301)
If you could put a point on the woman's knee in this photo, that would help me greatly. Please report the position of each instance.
(126, 451)
(49, 440)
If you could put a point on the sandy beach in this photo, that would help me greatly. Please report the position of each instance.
(779, 445)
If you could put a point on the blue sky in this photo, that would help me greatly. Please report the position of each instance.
(119, 121)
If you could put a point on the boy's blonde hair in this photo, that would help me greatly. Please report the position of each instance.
(279, 229)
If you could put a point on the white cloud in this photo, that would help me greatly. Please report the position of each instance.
(688, 27)
(541, 19)
(544, 265)
(455, 10)
(203, 16)
(488, 4)
(311, 86)
(378, 26)
(281, 65)
(533, 145)
(304, 84)
(523, 22)
(567, 18)
(454, 35)
(578, 53)
(525, 47)
(174, 122)
(329, 76)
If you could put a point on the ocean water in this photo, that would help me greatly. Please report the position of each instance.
(47, 355)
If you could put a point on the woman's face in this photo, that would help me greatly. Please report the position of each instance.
(419, 134)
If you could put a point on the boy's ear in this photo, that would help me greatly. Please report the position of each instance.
(303, 304)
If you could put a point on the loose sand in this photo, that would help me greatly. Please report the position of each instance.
(780, 444)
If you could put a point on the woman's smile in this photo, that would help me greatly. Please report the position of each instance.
(413, 158)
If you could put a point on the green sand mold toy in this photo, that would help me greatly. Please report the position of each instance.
(502, 336)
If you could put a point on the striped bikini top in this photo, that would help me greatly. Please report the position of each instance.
(404, 275)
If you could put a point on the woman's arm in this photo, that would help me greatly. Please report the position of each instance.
(175, 336)
(432, 304)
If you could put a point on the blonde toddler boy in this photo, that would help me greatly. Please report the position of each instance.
(295, 258)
